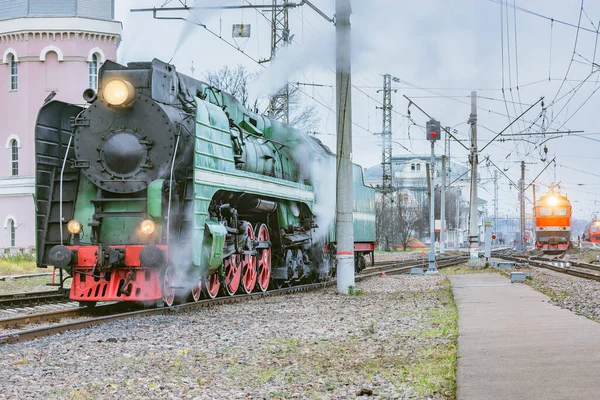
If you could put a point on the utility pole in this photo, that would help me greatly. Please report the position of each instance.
(447, 146)
(458, 195)
(280, 37)
(496, 201)
(522, 246)
(533, 233)
(443, 208)
(474, 158)
(344, 189)
(386, 161)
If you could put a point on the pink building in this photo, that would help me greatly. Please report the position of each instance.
(47, 48)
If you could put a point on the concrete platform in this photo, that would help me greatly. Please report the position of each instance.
(512, 344)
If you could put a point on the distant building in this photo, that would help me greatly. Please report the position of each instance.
(409, 178)
(49, 49)
(409, 175)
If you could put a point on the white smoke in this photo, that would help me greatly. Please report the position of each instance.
(320, 171)
(324, 185)
(293, 59)
(145, 38)
(195, 19)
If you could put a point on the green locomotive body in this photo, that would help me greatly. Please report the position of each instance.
(165, 187)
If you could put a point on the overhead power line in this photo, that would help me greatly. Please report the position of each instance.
(557, 21)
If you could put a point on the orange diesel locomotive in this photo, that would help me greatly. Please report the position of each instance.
(553, 222)
(592, 231)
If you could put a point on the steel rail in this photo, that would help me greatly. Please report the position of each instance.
(21, 299)
(26, 294)
(576, 264)
(548, 265)
(30, 334)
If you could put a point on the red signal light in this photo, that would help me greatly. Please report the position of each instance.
(433, 134)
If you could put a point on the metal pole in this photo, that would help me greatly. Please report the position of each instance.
(458, 194)
(533, 230)
(344, 192)
(495, 227)
(522, 246)
(432, 269)
(473, 217)
(443, 208)
(387, 190)
(280, 34)
(487, 239)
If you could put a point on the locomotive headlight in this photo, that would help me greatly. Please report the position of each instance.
(148, 227)
(552, 200)
(118, 92)
(74, 227)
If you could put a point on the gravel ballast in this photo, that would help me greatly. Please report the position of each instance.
(394, 339)
(579, 295)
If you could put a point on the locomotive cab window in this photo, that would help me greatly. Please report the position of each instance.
(545, 211)
(560, 211)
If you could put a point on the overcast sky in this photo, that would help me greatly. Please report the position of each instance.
(439, 50)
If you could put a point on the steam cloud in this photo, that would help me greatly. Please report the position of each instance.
(321, 172)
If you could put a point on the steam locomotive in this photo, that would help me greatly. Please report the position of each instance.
(164, 188)
(553, 223)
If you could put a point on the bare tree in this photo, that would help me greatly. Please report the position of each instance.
(421, 202)
(302, 116)
(231, 80)
(396, 225)
(235, 81)
(386, 221)
(407, 219)
(450, 206)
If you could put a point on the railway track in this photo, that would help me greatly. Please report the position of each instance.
(565, 267)
(106, 313)
(30, 298)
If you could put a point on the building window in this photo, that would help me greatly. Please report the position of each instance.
(14, 72)
(14, 146)
(412, 167)
(418, 167)
(11, 229)
(93, 81)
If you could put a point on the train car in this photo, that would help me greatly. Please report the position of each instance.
(592, 232)
(553, 223)
(163, 188)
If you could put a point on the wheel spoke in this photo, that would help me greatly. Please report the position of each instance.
(249, 267)
(196, 290)
(264, 257)
(168, 291)
(211, 285)
(232, 275)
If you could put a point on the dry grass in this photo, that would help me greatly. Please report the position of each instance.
(19, 264)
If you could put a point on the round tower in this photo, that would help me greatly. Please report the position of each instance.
(49, 50)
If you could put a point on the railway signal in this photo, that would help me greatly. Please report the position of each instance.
(433, 134)
(433, 130)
